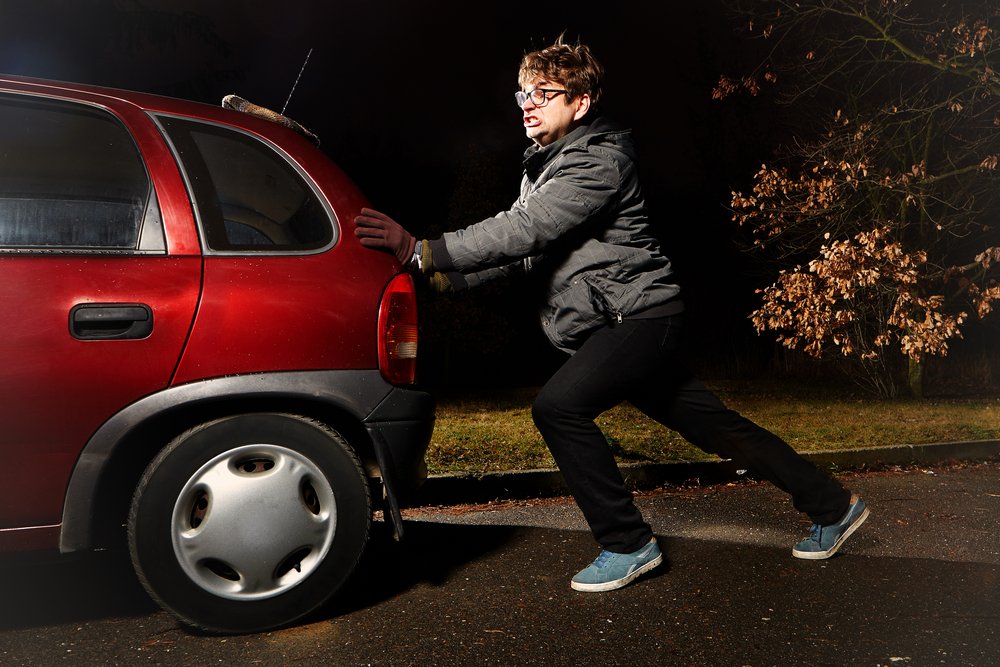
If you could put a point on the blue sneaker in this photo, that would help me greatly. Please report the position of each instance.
(611, 570)
(823, 541)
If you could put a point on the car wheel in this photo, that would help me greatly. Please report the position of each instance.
(249, 522)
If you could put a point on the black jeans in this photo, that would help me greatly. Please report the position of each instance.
(640, 361)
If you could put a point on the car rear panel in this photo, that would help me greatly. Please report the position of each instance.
(277, 313)
(280, 310)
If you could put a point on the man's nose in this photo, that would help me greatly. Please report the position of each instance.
(528, 104)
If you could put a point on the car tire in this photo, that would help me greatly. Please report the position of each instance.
(249, 522)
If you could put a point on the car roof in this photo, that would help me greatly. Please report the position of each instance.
(114, 97)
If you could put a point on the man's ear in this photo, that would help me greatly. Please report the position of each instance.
(582, 106)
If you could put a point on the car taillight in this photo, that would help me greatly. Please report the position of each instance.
(397, 331)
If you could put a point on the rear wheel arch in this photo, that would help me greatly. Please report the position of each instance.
(109, 468)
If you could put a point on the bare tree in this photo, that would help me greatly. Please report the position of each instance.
(882, 211)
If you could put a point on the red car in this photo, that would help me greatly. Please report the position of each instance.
(198, 350)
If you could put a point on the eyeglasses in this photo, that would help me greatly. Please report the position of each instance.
(538, 96)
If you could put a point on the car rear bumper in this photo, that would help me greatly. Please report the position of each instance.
(400, 428)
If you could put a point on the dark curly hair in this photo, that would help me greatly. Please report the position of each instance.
(573, 66)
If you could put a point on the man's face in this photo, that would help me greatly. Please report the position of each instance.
(553, 118)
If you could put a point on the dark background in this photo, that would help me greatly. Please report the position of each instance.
(415, 101)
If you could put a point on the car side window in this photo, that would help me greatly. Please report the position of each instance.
(248, 197)
(72, 179)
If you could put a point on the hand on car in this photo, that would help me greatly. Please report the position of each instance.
(377, 230)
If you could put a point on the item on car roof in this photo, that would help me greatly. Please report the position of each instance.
(237, 103)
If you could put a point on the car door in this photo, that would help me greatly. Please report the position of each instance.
(97, 309)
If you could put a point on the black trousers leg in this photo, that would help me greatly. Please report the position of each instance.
(640, 361)
(698, 415)
(596, 378)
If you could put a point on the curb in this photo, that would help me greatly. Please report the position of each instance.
(460, 489)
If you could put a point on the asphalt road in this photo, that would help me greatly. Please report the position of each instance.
(919, 584)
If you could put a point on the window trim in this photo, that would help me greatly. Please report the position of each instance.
(265, 251)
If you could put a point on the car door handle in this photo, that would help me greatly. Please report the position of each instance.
(110, 321)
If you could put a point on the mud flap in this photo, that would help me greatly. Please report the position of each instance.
(385, 464)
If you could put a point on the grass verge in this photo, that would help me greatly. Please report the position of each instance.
(492, 431)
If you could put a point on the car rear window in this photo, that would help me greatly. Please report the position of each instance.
(71, 177)
(248, 197)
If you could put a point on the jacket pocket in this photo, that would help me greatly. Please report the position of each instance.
(612, 299)
(569, 315)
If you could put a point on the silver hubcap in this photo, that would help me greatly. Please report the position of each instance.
(253, 522)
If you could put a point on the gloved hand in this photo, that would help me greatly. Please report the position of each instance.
(439, 282)
(377, 230)
(426, 259)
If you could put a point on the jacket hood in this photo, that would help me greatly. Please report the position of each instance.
(598, 130)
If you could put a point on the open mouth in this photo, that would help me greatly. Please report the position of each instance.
(532, 121)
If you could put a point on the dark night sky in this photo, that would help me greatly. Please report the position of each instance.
(415, 99)
(394, 83)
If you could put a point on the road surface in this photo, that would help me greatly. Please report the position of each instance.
(919, 584)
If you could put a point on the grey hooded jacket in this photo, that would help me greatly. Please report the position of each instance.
(580, 226)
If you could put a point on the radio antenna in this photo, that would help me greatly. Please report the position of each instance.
(294, 85)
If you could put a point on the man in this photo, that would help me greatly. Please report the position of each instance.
(580, 226)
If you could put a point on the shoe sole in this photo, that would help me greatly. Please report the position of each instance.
(821, 555)
(617, 583)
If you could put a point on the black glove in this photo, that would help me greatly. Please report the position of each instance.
(377, 230)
